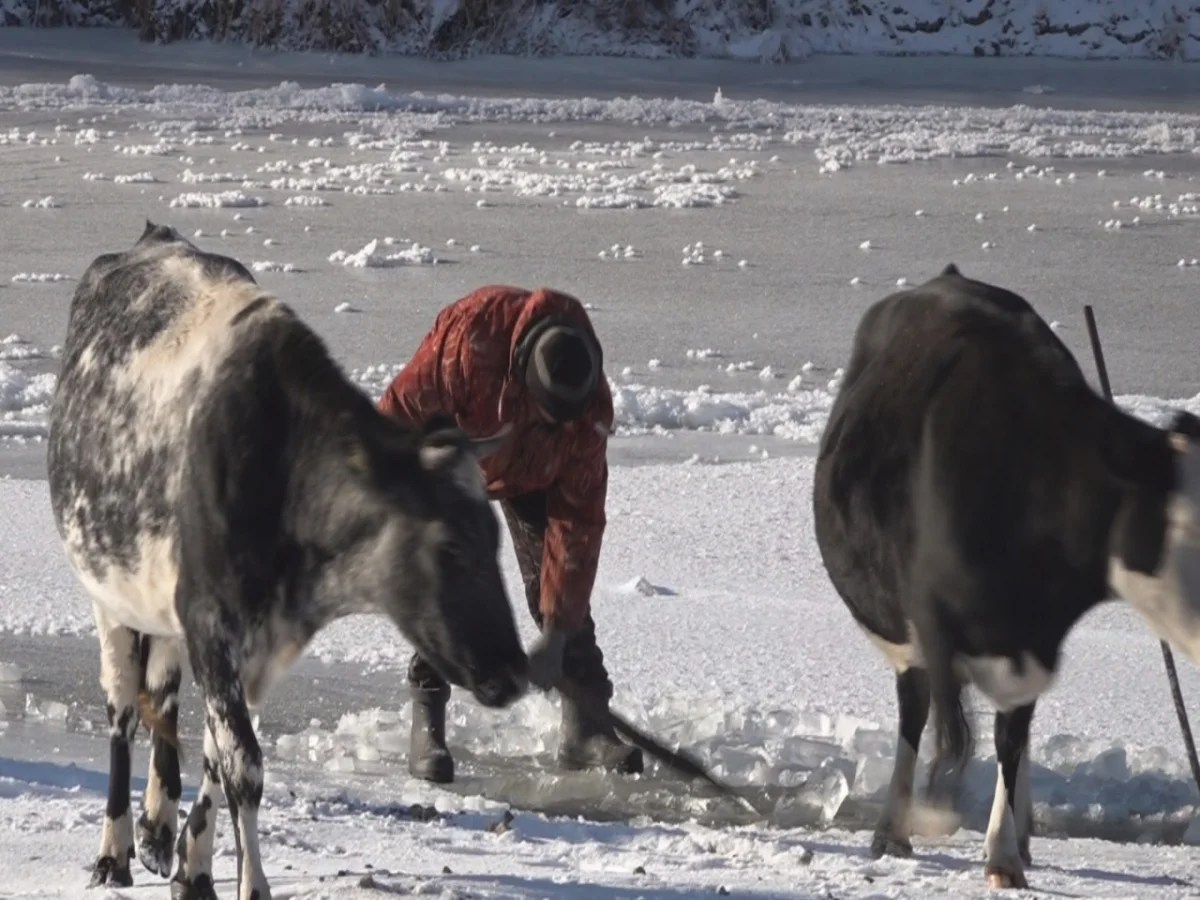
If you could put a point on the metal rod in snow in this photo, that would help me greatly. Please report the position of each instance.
(1168, 657)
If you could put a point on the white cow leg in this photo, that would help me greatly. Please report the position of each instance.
(892, 832)
(160, 803)
(120, 673)
(193, 878)
(236, 754)
(1023, 808)
(1010, 823)
(242, 775)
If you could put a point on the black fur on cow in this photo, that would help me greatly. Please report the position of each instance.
(223, 491)
(973, 498)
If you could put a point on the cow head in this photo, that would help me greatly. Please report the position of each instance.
(448, 595)
(1155, 564)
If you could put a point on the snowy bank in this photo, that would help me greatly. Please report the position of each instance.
(796, 413)
(781, 30)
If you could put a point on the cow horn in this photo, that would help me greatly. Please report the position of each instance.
(486, 446)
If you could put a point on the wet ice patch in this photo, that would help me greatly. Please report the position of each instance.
(821, 768)
(372, 740)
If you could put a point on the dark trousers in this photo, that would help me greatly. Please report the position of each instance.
(583, 662)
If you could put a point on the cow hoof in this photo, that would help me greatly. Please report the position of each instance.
(156, 847)
(883, 844)
(198, 888)
(1002, 879)
(109, 872)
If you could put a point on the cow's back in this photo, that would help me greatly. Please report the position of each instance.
(148, 330)
(950, 349)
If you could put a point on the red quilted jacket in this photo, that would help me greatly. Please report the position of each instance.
(465, 368)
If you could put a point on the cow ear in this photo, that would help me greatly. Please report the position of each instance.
(356, 457)
(441, 448)
(1186, 424)
(438, 422)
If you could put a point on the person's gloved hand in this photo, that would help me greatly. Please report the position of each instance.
(546, 659)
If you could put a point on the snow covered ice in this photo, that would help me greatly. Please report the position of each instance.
(719, 626)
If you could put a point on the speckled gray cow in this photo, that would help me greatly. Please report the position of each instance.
(222, 492)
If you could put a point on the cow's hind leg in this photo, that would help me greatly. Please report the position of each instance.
(120, 676)
(892, 830)
(193, 877)
(236, 750)
(159, 701)
(1011, 822)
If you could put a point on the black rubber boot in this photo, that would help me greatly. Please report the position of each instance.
(585, 744)
(428, 758)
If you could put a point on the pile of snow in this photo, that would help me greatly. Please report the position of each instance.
(621, 186)
(39, 277)
(267, 265)
(161, 148)
(15, 347)
(796, 415)
(136, 178)
(697, 254)
(620, 251)
(43, 203)
(220, 200)
(370, 256)
(24, 402)
(306, 200)
(190, 177)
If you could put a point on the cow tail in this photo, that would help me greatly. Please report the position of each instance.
(955, 742)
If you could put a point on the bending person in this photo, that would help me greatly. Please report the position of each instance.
(530, 359)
